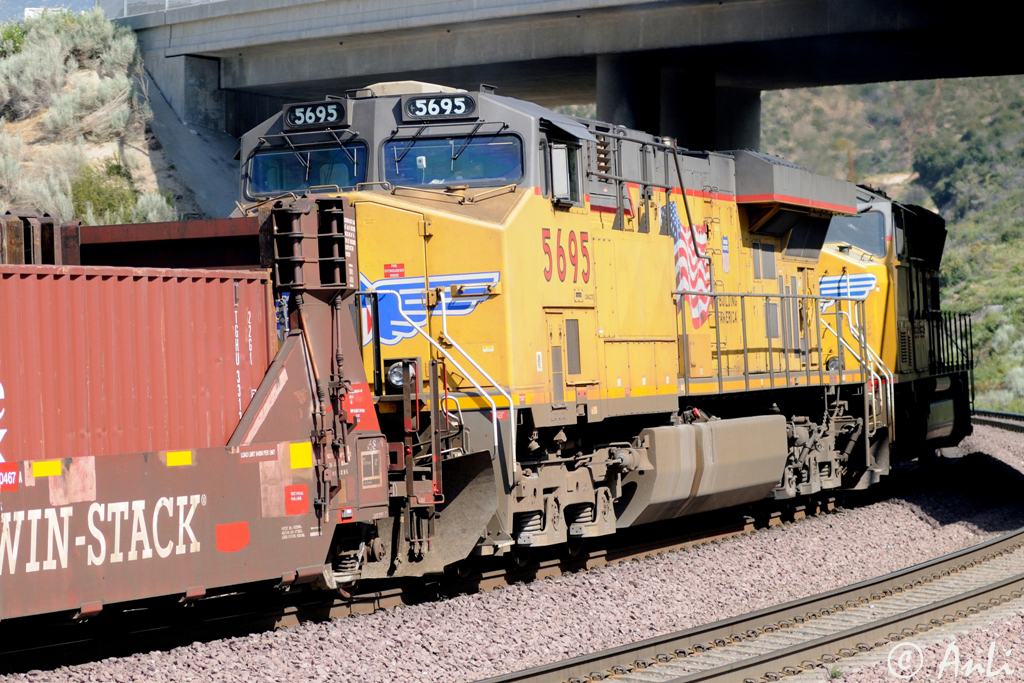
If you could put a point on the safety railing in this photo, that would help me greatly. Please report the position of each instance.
(881, 385)
(788, 341)
(882, 389)
(375, 293)
(951, 348)
(116, 9)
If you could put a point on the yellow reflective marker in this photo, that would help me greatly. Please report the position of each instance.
(46, 468)
(302, 455)
(179, 458)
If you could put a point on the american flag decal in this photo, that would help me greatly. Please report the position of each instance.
(691, 271)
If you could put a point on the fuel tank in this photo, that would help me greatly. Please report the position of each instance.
(704, 466)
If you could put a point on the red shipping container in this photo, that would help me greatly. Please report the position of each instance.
(97, 361)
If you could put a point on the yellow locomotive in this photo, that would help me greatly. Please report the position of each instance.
(569, 327)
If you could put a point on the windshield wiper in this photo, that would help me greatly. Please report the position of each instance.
(455, 155)
(349, 154)
(298, 155)
(411, 144)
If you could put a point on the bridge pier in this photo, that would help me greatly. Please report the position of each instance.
(191, 85)
(663, 96)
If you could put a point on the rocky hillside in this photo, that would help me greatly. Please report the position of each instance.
(74, 140)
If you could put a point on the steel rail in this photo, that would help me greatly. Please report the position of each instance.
(645, 655)
(1013, 422)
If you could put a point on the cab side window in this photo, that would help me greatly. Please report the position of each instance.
(566, 186)
(897, 221)
(762, 254)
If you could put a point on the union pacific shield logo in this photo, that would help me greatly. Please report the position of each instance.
(847, 286)
(407, 295)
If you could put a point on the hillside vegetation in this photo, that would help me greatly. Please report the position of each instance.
(73, 115)
(956, 146)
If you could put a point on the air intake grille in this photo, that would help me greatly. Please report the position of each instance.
(906, 345)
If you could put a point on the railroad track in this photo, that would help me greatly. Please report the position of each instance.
(1013, 422)
(819, 630)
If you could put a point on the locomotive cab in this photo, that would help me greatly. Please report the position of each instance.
(891, 254)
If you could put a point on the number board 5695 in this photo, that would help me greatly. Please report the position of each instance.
(326, 114)
(438, 106)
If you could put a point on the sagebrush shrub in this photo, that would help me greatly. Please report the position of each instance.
(10, 164)
(120, 55)
(152, 207)
(29, 78)
(53, 194)
(105, 97)
(53, 45)
(97, 109)
(1003, 337)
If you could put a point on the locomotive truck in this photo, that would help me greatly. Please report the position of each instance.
(472, 326)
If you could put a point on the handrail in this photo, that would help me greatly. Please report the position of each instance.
(818, 297)
(511, 406)
(953, 350)
(494, 406)
(890, 395)
(864, 364)
(819, 319)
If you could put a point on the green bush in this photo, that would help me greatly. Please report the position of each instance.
(96, 192)
(12, 37)
(105, 195)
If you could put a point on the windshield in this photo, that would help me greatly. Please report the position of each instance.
(865, 231)
(474, 161)
(278, 171)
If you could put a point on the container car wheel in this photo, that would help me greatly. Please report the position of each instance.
(521, 555)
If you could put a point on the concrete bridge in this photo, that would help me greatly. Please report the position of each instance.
(693, 69)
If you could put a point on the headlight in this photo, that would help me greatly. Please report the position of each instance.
(832, 364)
(396, 375)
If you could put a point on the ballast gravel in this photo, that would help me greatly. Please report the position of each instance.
(471, 637)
